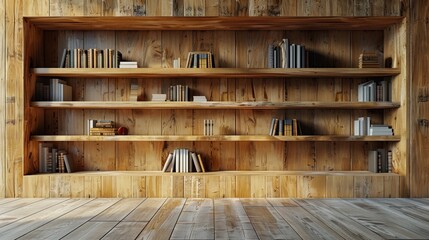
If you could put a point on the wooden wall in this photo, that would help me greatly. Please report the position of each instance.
(419, 54)
(11, 102)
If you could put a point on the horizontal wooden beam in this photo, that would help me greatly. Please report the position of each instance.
(212, 23)
(221, 138)
(215, 72)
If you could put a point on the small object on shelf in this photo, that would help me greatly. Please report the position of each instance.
(122, 131)
(134, 92)
(101, 127)
(369, 60)
(178, 93)
(128, 64)
(200, 99)
(380, 161)
(176, 63)
(364, 127)
(285, 127)
(284, 55)
(160, 97)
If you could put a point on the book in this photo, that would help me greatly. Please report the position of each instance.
(201, 163)
(67, 164)
(196, 162)
(372, 161)
(168, 163)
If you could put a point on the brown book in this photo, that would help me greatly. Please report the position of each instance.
(201, 163)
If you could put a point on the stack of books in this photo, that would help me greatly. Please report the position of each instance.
(134, 92)
(363, 127)
(52, 159)
(160, 97)
(91, 58)
(208, 127)
(200, 60)
(183, 160)
(286, 55)
(369, 60)
(127, 64)
(285, 127)
(101, 128)
(380, 161)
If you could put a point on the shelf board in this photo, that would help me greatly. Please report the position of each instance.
(214, 105)
(222, 138)
(215, 72)
(212, 23)
(219, 173)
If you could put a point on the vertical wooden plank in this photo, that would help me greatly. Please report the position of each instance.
(312, 8)
(36, 186)
(288, 187)
(93, 186)
(391, 187)
(258, 185)
(211, 7)
(178, 7)
(59, 186)
(227, 8)
(273, 186)
(339, 186)
(243, 186)
(124, 186)
(153, 186)
(139, 186)
(339, 8)
(3, 160)
(108, 186)
(368, 186)
(311, 186)
(213, 186)
(258, 8)
(77, 186)
(419, 134)
(14, 98)
(67, 8)
(227, 186)
(369, 8)
(393, 7)
(194, 7)
(194, 186)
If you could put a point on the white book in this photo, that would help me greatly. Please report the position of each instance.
(356, 128)
(177, 159)
(168, 163)
(368, 123)
(372, 161)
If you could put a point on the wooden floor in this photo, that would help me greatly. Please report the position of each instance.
(178, 218)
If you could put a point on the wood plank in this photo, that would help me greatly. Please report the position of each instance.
(231, 220)
(62, 225)
(98, 140)
(344, 226)
(195, 221)
(305, 224)
(34, 221)
(91, 230)
(146, 210)
(215, 105)
(19, 203)
(311, 186)
(9, 217)
(118, 211)
(125, 230)
(373, 219)
(3, 75)
(243, 72)
(162, 224)
(268, 223)
(215, 23)
(6, 200)
(339, 186)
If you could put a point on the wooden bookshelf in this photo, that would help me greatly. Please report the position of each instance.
(219, 138)
(243, 96)
(213, 105)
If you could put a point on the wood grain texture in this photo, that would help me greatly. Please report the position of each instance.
(3, 58)
(419, 130)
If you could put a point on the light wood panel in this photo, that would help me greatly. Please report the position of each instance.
(3, 158)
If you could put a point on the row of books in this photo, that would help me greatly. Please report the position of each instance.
(369, 60)
(101, 127)
(200, 60)
(208, 127)
(285, 127)
(363, 127)
(183, 160)
(178, 93)
(52, 160)
(380, 161)
(53, 90)
(286, 55)
(90, 58)
(374, 91)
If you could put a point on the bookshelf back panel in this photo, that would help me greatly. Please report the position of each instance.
(244, 49)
